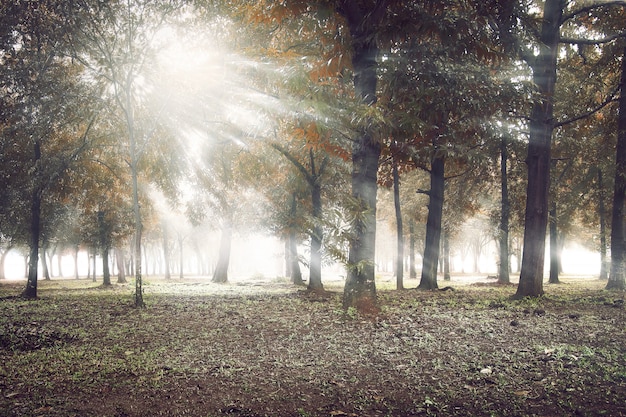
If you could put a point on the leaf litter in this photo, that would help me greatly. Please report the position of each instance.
(274, 350)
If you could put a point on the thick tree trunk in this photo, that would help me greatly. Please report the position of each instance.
(616, 277)
(295, 273)
(399, 229)
(505, 211)
(220, 274)
(315, 267)
(106, 274)
(428, 280)
(412, 271)
(554, 250)
(604, 274)
(538, 159)
(360, 286)
(3, 258)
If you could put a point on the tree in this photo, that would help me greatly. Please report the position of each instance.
(542, 124)
(617, 280)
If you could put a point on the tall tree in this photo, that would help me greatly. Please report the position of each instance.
(617, 279)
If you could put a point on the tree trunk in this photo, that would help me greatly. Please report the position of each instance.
(220, 274)
(433, 224)
(3, 258)
(360, 286)
(315, 267)
(181, 241)
(121, 266)
(75, 259)
(399, 231)
(106, 274)
(35, 229)
(604, 275)
(616, 277)
(554, 250)
(294, 264)
(503, 237)
(44, 263)
(538, 159)
(166, 252)
(446, 256)
(412, 271)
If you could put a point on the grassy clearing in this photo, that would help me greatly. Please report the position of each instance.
(268, 349)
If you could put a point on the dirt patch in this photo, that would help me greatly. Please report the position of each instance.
(281, 351)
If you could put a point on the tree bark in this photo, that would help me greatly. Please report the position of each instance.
(315, 268)
(166, 252)
(399, 229)
(106, 273)
(35, 229)
(604, 275)
(446, 256)
(44, 263)
(220, 274)
(428, 280)
(538, 159)
(554, 250)
(121, 266)
(412, 271)
(3, 258)
(293, 262)
(505, 212)
(616, 276)
(360, 286)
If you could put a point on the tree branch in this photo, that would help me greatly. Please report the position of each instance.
(591, 7)
(610, 98)
(575, 41)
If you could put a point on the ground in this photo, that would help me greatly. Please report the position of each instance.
(269, 349)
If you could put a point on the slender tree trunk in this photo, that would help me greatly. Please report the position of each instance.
(220, 274)
(604, 275)
(121, 266)
(44, 263)
(616, 277)
(554, 250)
(399, 229)
(166, 252)
(75, 259)
(315, 274)
(433, 224)
(412, 271)
(93, 264)
(35, 229)
(503, 237)
(33, 259)
(446, 256)
(360, 286)
(538, 159)
(181, 241)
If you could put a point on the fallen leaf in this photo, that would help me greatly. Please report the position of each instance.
(522, 393)
(486, 371)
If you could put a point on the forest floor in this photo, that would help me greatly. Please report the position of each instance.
(269, 349)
